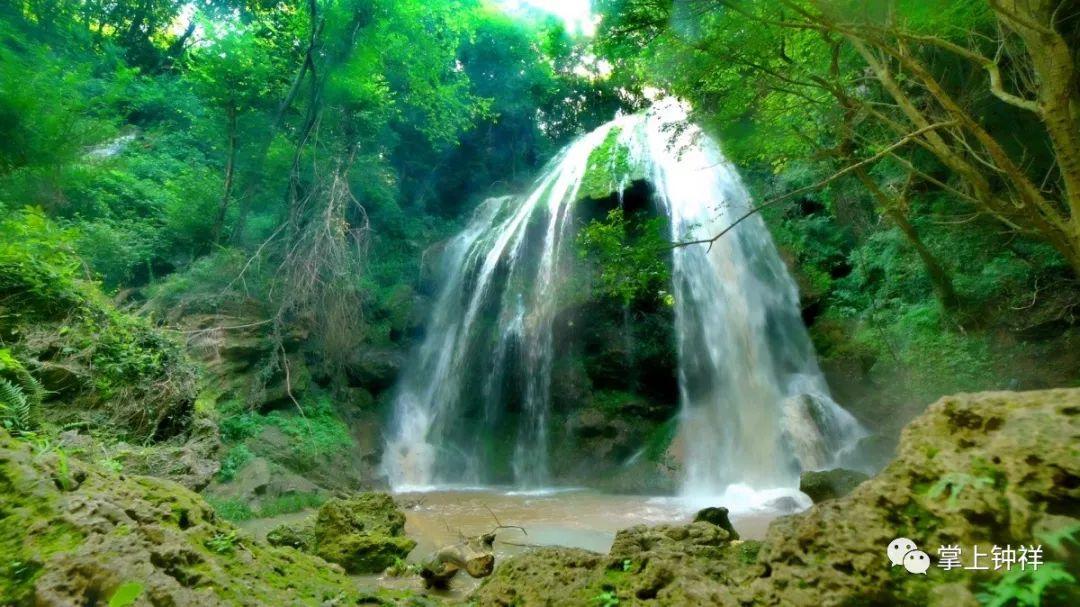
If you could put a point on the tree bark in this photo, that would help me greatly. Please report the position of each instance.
(230, 170)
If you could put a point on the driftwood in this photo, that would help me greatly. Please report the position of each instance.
(474, 555)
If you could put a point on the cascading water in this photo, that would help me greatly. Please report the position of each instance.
(754, 406)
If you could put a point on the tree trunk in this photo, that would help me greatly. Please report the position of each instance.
(230, 170)
(939, 277)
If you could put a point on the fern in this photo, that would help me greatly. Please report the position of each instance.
(20, 394)
(16, 407)
(1025, 588)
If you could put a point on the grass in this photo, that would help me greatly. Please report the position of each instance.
(237, 511)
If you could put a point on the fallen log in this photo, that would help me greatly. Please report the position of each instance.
(474, 555)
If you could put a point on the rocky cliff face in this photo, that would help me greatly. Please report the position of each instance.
(997, 468)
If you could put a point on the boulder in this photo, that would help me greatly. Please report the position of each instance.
(363, 533)
(995, 468)
(259, 482)
(830, 484)
(719, 517)
(374, 368)
(545, 576)
(300, 535)
(696, 538)
(72, 533)
(666, 565)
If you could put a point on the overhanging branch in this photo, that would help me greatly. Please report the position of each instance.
(824, 182)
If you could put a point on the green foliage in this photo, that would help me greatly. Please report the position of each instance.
(222, 542)
(316, 434)
(289, 503)
(38, 266)
(1062, 540)
(234, 460)
(126, 594)
(238, 511)
(140, 373)
(606, 598)
(236, 422)
(231, 510)
(608, 168)
(16, 410)
(631, 256)
(1026, 587)
(955, 483)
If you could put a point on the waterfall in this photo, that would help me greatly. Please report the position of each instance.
(755, 409)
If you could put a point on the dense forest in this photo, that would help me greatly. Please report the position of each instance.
(323, 301)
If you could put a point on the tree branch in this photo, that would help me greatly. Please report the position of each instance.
(824, 182)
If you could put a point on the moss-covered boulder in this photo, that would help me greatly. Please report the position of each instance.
(74, 534)
(829, 484)
(363, 533)
(299, 535)
(996, 468)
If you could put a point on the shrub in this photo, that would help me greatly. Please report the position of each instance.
(235, 459)
(124, 371)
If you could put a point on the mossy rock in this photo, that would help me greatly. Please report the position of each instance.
(830, 484)
(362, 553)
(717, 516)
(363, 533)
(609, 166)
(300, 536)
(74, 534)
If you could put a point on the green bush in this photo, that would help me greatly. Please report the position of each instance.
(234, 460)
(317, 433)
(129, 374)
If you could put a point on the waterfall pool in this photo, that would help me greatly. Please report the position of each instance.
(577, 518)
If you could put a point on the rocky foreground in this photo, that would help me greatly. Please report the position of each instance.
(994, 468)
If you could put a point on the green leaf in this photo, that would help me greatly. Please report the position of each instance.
(126, 594)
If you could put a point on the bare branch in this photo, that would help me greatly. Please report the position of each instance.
(824, 182)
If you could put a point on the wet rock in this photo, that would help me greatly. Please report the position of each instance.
(718, 517)
(830, 484)
(363, 534)
(374, 369)
(785, 504)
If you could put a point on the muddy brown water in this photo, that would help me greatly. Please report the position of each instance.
(574, 518)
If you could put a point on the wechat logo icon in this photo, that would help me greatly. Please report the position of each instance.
(905, 553)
